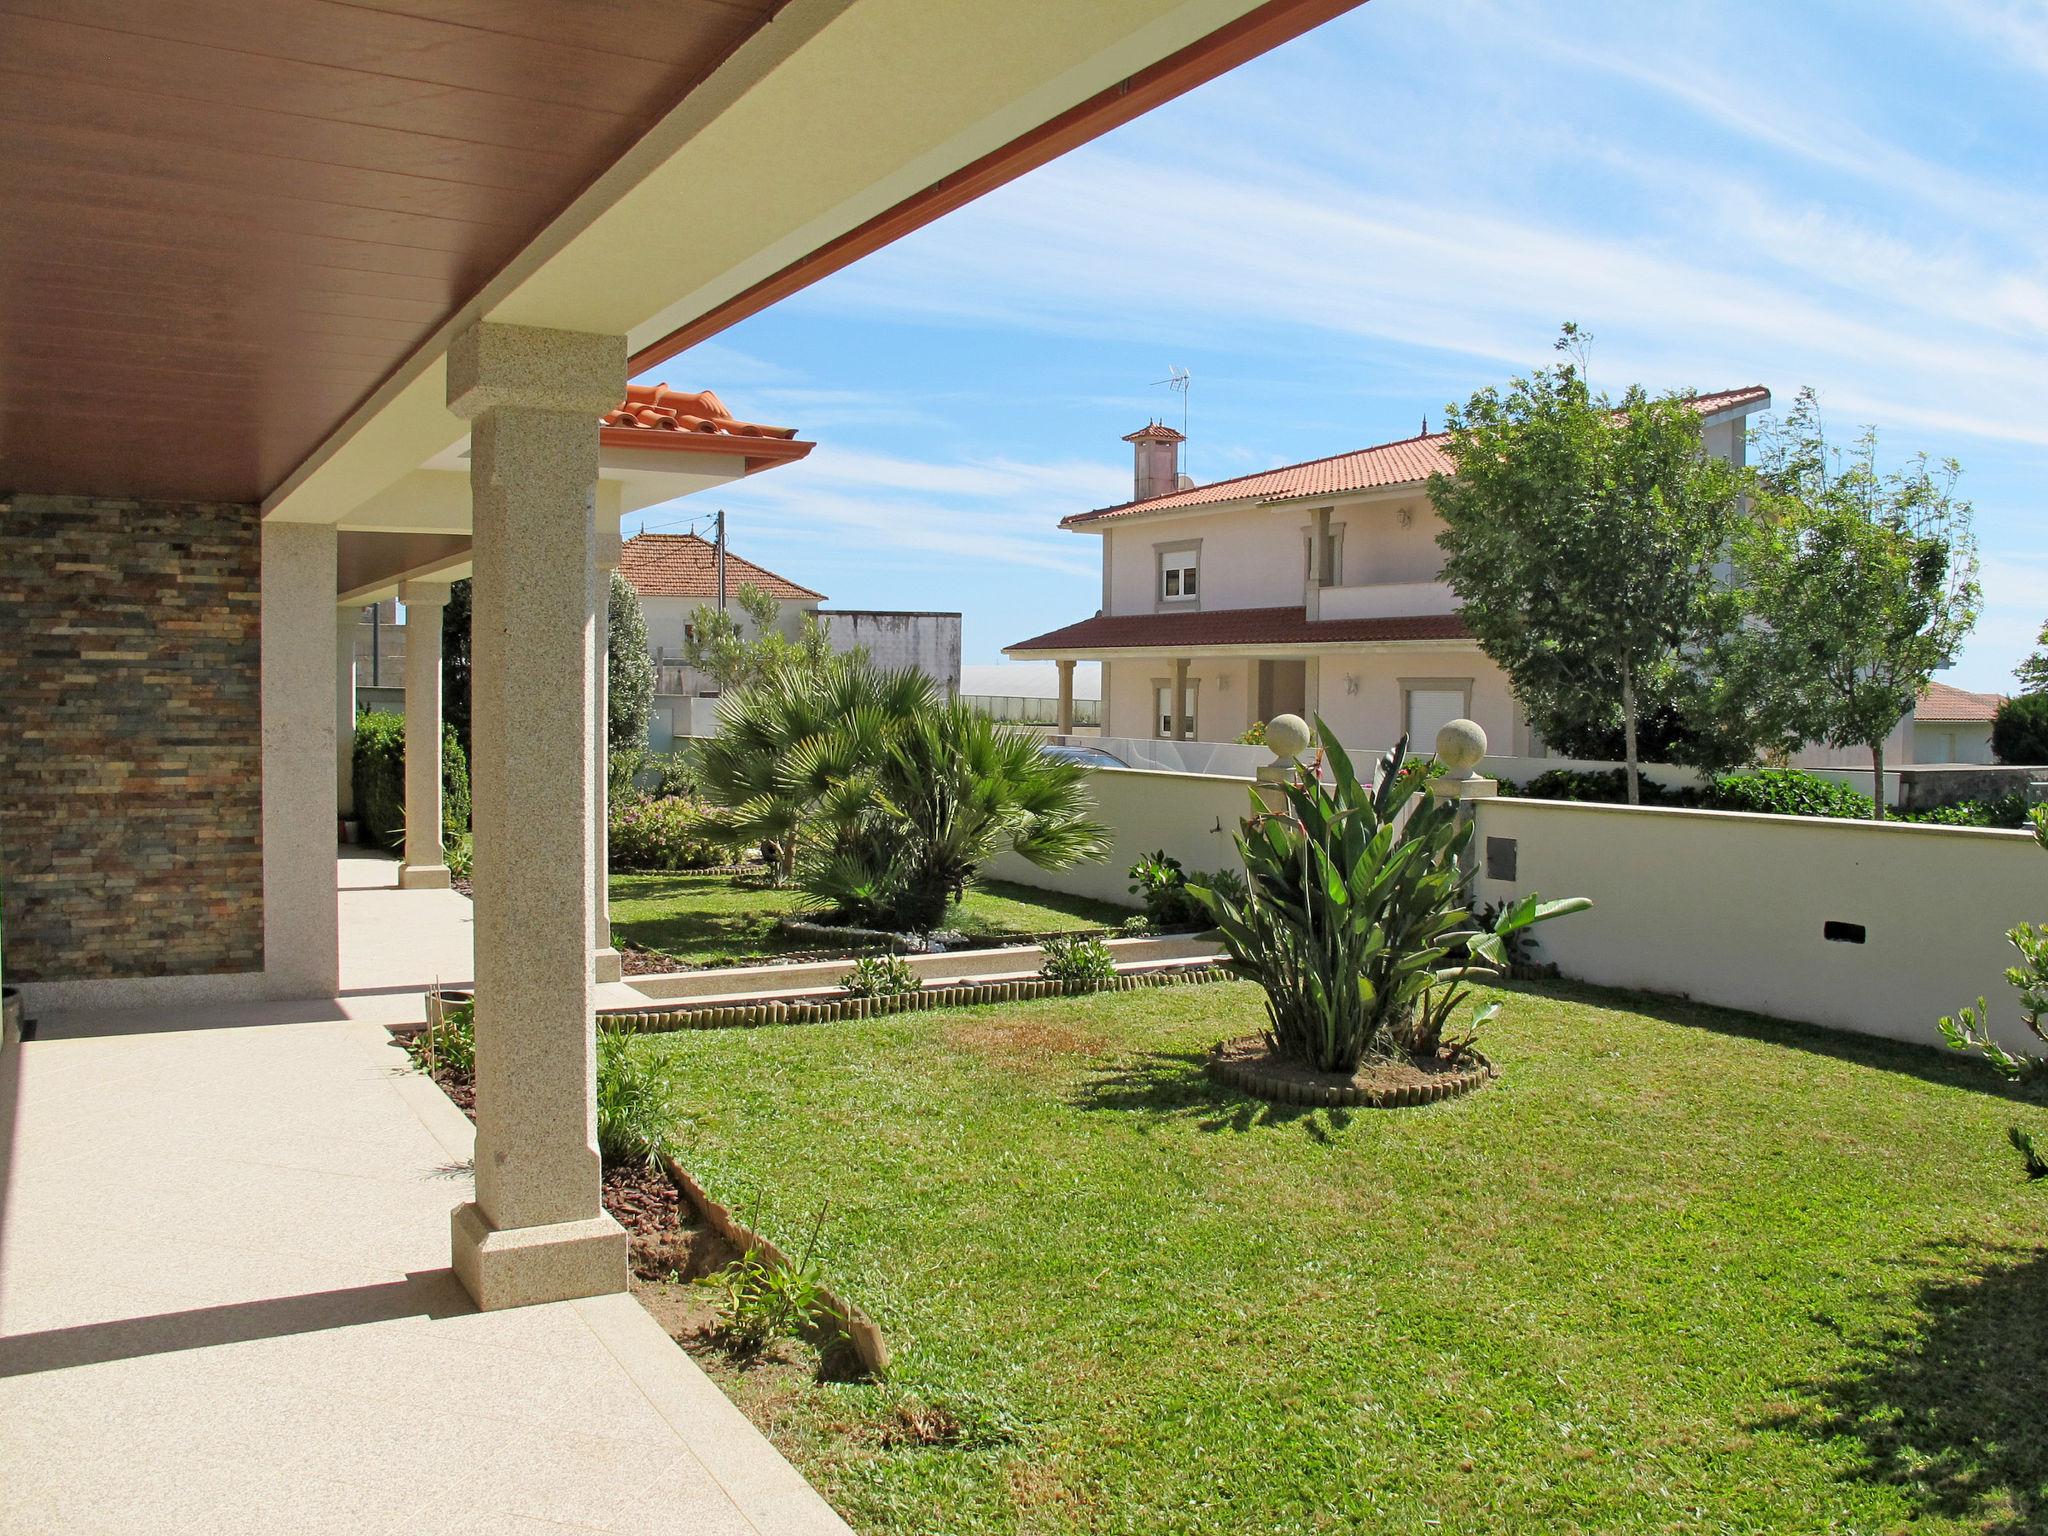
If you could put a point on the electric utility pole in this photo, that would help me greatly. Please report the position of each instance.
(721, 559)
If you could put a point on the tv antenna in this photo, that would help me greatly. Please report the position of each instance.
(1178, 379)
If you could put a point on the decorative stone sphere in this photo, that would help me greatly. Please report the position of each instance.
(1287, 735)
(1459, 747)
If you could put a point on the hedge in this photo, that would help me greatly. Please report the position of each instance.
(378, 774)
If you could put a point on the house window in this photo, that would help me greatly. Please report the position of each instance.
(1179, 575)
(1162, 711)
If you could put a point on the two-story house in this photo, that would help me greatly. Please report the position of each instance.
(1311, 589)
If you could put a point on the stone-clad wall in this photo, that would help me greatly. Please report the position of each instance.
(130, 738)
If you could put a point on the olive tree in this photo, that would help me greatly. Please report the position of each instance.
(629, 695)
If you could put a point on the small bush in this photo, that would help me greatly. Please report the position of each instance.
(1077, 957)
(2007, 810)
(1787, 792)
(663, 835)
(451, 1044)
(2019, 731)
(1254, 736)
(377, 774)
(1159, 881)
(759, 1302)
(1137, 925)
(880, 976)
(1586, 786)
(637, 1097)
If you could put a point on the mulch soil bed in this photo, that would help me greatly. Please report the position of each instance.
(1249, 1064)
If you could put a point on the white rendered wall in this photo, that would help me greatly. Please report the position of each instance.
(1192, 816)
(1728, 908)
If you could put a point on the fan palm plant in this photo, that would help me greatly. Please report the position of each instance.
(760, 773)
(910, 813)
(1357, 919)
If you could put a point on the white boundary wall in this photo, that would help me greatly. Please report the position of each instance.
(1193, 816)
(1728, 908)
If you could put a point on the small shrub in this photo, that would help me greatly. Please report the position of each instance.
(663, 835)
(1137, 925)
(2007, 810)
(1787, 792)
(1077, 957)
(1159, 881)
(677, 781)
(1254, 736)
(759, 1302)
(1588, 786)
(637, 1098)
(450, 1044)
(459, 854)
(880, 976)
(2019, 731)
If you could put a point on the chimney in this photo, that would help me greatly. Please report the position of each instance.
(1156, 467)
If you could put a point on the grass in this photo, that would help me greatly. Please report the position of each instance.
(1678, 1270)
(715, 919)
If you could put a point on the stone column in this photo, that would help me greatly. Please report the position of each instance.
(1065, 723)
(426, 864)
(301, 911)
(1183, 727)
(536, 1230)
(605, 961)
(346, 621)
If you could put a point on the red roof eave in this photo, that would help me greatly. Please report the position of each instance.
(759, 452)
(1236, 627)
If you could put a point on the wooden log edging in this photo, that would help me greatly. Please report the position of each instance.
(856, 1328)
(1281, 1088)
(831, 1009)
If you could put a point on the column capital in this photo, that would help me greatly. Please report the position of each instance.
(493, 366)
(605, 552)
(423, 594)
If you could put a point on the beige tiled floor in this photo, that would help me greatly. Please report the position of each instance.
(225, 1306)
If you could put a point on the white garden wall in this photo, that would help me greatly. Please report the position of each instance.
(1193, 816)
(1729, 908)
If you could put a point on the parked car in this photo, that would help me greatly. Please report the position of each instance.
(1087, 757)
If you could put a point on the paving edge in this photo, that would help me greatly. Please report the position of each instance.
(826, 1010)
(859, 1330)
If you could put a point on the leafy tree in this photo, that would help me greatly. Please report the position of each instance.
(913, 810)
(1581, 536)
(751, 773)
(2033, 672)
(2019, 731)
(455, 660)
(1860, 584)
(629, 678)
(717, 646)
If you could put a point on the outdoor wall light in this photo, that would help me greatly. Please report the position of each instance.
(1351, 683)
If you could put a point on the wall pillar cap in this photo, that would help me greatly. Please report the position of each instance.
(423, 594)
(492, 366)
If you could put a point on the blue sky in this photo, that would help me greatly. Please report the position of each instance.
(1399, 208)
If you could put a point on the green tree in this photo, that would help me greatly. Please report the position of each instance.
(455, 660)
(2019, 731)
(2032, 674)
(1581, 536)
(716, 645)
(629, 681)
(912, 810)
(1860, 584)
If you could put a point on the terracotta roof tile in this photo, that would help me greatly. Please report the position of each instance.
(1941, 704)
(1235, 626)
(683, 565)
(1157, 432)
(1407, 462)
(657, 408)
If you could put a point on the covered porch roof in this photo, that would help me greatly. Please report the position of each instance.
(1280, 631)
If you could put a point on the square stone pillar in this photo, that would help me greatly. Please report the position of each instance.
(426, 860)
(1183, 727)
(346, 622)
(301, 911)
(536, 1230)
(1064, 723)
(606, 964)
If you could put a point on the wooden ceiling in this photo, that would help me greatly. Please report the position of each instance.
(224, 222)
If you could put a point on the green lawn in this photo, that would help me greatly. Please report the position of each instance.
(716, 919)
(1678, 1270)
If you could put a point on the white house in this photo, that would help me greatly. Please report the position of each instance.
(1311, 589)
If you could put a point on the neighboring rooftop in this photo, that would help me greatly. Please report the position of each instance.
(684, 565)
(1407, 462)
(1234, 626)
(1944, 705)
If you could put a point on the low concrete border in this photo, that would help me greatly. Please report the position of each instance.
(826, 1009)
(862, 1336)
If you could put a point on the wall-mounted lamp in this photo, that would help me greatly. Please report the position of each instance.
(1351, 683)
